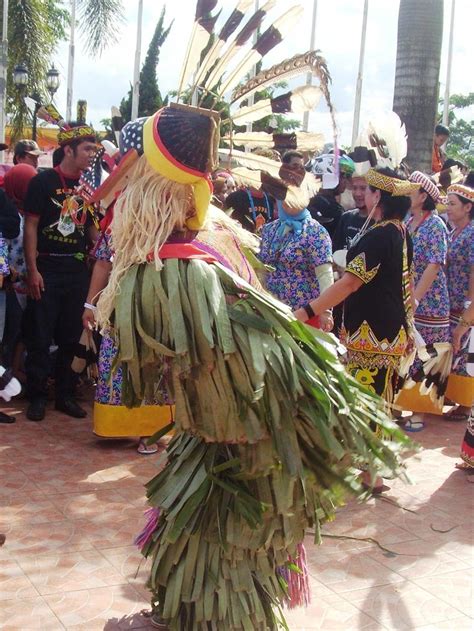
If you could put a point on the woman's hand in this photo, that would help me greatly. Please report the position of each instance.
(326, 321)
(458, 334)
(88, 320)
(301, 315)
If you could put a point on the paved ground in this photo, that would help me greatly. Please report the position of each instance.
(71, 504)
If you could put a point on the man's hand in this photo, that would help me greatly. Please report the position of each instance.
(35, 284)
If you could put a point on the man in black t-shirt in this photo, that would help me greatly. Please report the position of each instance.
(251, 208)
(352, 220)
(55, 242)
(324, 207)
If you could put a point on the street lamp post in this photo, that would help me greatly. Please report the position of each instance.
(52, 81)
(20, 79)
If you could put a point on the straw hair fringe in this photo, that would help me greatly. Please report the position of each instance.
(147, 211)
(217, 217)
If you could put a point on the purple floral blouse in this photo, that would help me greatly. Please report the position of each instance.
(460, 259)
(430, 245)
(294, 280)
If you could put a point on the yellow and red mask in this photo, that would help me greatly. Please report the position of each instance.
(180, 142)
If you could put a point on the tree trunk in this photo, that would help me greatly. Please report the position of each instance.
(415, 100)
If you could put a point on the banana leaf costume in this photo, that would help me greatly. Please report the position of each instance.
(269, 428)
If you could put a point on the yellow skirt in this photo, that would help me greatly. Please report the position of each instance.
(118, 421)
(412, 400)
(460, 389)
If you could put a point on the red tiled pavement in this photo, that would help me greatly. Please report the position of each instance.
(70, 505)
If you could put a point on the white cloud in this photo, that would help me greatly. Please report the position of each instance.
(105, 80)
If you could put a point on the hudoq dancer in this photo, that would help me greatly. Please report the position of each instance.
(269, 428)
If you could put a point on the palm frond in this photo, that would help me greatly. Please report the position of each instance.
(99, 23)
(35, 27)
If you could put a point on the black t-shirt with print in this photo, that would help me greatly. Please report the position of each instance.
(327, 211)
(349, 226)
(46, 194)
(252, 219)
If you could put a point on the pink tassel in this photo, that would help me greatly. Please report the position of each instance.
(298, 593)
(152, 515)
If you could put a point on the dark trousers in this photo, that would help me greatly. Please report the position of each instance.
(56, 316)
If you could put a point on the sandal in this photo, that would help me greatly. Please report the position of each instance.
(146, 450)
(376, 490)
(4, 418)
(414, 425)
(455, 416)
(463, 466)
(157, 621)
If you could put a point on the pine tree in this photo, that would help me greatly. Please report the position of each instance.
(150, 97)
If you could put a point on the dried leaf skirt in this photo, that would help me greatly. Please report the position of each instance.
(270, 430)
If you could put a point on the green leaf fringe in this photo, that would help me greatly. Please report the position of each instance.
(269, 432)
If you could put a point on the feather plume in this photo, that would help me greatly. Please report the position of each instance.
(50, 114)
(273, 36)
(455, 175)
(250, 160)
(298, 65)
(386, 135)
(230, 26)
(202, 28)
(308, 141)
(245, 176)
(302, 99)
(252, 113)
(117, 123)
(239, 41)
(250, 139)
(305, 141)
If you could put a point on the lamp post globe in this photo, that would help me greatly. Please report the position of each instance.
(52, 80)
(20, 75)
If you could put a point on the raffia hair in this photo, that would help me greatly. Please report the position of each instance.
(147, 211)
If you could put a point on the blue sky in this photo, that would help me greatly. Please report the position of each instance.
(105, 80)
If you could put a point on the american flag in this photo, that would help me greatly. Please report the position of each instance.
(91, 178)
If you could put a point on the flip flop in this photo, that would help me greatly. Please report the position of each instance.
(376, 490)
(463, 466)
(146, 450)
(456, 417)
(414, 425)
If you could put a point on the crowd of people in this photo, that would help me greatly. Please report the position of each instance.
(373, 242)
(270, 311)
(55, 263)
(378, 257)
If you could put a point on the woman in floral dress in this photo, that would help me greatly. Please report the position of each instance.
(111, 418)
(465, 327)
(430, 244)
(461, 292)
(299, 250)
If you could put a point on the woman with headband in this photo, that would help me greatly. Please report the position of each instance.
(378, 315)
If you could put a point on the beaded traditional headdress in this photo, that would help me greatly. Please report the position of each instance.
(392, 185)
(424, 181)
(463, 191)
(67, 133)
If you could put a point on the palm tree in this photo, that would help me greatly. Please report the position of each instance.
(420, 36)
(35, 28)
